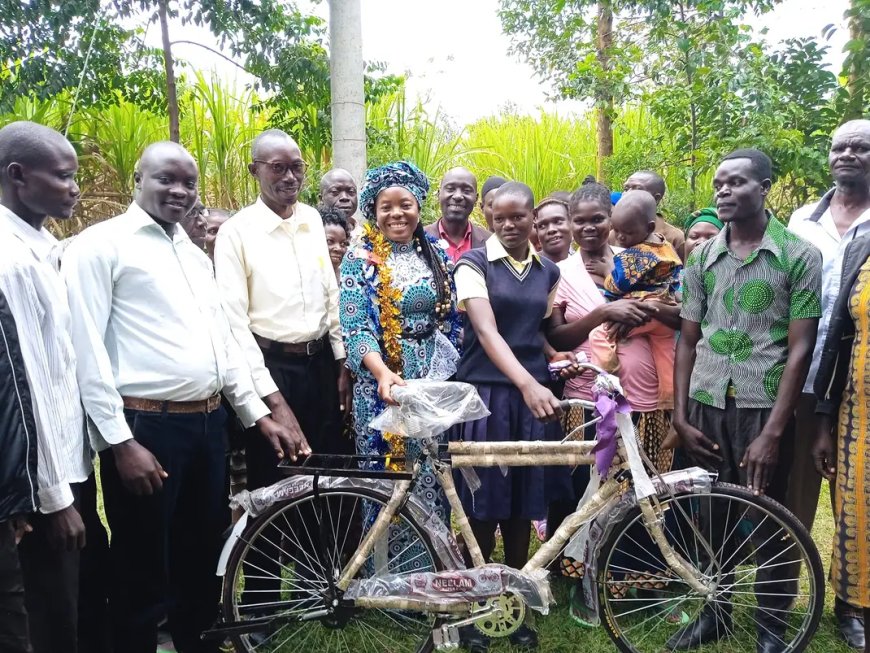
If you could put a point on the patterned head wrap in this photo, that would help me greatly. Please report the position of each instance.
(704, 215)
(400, 173)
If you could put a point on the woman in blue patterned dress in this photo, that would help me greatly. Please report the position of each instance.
(398, 314)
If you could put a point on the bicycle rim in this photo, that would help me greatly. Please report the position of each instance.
(282, 567)
(765, 569)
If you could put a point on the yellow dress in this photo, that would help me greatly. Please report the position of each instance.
(850, 567)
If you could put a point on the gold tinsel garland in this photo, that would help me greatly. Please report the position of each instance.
(388, 299)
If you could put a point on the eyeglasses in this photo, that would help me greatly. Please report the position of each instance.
(280, 168)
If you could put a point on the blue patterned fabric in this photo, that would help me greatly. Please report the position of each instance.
(360, 324)
(400, 173)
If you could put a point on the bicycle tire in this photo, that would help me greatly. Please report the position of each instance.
(654, 593)
(355, 634)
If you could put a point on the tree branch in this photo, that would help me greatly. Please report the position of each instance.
(213, 51)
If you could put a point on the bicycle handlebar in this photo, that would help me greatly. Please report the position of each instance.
(591, 367)
(565, 404)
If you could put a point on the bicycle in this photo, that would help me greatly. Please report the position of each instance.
(341, 557)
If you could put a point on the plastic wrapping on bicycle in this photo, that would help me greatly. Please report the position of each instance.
(322, 464)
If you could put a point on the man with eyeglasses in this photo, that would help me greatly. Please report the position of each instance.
(280, 293)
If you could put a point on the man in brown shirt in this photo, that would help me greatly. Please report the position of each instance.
(653, 184)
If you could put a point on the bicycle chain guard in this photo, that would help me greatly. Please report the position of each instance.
(505, 614)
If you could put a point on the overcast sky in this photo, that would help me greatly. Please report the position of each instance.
(456, 55)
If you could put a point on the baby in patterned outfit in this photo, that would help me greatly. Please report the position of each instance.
(647, 268)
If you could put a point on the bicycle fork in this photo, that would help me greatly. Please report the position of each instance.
(653, 520)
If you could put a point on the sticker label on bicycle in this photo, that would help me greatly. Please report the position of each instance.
(456, 585)
(465, 584)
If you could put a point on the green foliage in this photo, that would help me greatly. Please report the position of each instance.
(218, 127)
(115, 137)
(547, 152)
(560, 39)
(397, 131)
(856, 64)
(44, 46)
(697, 69)
(551, 152)
(689, 82)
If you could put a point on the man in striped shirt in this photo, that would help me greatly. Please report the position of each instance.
(751, 307)
(37, 179)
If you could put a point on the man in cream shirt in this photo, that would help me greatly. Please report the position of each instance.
(155, 352)
(280, 294)
(279, 291)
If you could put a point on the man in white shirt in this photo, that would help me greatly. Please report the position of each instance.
(155, 352)
(280, 294)
(842, 215)
(37, 179)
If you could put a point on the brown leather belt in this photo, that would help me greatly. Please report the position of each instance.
(177, 407)
(291, 348)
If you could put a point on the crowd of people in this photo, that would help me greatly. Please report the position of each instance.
(190, 350)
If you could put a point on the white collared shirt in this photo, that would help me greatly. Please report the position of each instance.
(148, 324)
(470, 283)
(276, 281)
(36, 296)
(815, 224)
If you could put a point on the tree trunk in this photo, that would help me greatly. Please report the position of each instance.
(347, 87)
(604, 96)
(171, 91)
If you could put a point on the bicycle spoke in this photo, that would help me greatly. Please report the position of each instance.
(748, 545)
(290, 562)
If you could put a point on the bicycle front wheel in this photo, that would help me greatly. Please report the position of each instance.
(283, 569)
(763, 565)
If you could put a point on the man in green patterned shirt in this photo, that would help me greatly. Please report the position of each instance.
(751, 303)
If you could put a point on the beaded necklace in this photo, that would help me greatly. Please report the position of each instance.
(387, 298)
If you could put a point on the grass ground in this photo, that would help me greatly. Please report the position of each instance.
(560, 634)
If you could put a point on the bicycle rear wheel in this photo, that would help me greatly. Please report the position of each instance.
(288, 558)
(763, 564)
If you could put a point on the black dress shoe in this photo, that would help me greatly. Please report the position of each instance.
(711, 626)
(473, 640)
(525, 638)
(851, 628)
(769, 642)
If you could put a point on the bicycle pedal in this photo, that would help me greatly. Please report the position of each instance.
(446, 638)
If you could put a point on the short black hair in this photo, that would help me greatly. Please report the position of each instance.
(27, 142)
(520, 190)
(658, 184)
(561, 195)
(216, 209)
(592, 190)
(492, 183)
(637, 206)
(331, 216)
(267, 135)
(762, 166)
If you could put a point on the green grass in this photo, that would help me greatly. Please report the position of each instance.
(560, 634)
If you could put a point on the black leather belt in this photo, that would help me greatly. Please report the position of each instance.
(309, 348)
